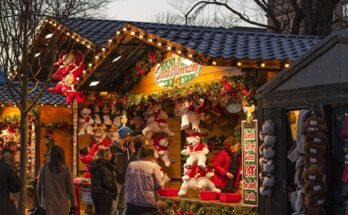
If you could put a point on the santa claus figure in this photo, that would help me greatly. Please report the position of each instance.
(227, 166)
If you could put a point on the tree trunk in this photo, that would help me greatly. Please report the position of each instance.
(23, 161)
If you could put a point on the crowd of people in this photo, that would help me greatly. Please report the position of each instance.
(124, 179)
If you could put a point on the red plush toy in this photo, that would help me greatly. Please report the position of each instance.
(70, 69)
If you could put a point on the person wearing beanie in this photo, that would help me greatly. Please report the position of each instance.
(122, 151)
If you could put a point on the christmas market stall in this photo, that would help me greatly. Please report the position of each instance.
(307, 105)
(190, 91)
(49, 123)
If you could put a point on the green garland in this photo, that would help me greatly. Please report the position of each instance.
(143, 66)
(236, 86)
(186, 207)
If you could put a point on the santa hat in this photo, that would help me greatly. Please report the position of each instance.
(192, 136)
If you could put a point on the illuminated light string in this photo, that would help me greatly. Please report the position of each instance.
(145, 37)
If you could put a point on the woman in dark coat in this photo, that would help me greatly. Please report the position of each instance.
(55, 185)
(9, 183)
(104, 190)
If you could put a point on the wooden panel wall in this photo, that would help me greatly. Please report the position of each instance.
(62, 137)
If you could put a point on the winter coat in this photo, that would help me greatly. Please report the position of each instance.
(143, 179)
(59, 189)
(221, 165)
(120, 158)
(103, 177)
(9, 183)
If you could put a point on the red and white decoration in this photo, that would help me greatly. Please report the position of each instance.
(70, 68)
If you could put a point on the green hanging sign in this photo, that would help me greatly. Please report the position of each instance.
(250, 164)
(176, 71)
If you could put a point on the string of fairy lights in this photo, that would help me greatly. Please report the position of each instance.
(151, 39)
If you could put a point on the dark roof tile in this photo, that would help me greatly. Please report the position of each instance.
(213, 42)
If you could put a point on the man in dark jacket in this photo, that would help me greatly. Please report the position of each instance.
(121, 154)
(103, 188)
(9, 183)
(8, 154)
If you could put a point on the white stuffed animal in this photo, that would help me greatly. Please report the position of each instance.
(196, 177)
(86, 122)
(196, 150)
(203, 176)
(189, 116)
(162, 122)
(106, 115)
(161, 142)
(151, 126)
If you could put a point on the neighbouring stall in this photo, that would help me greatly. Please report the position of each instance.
(50, 122)
(308, 105)
(190, 91)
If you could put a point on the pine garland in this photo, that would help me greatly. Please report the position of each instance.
(187, 207)
(236, 86)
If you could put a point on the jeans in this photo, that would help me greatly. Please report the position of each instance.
(102, 203)
(138, 210)
(119, 205)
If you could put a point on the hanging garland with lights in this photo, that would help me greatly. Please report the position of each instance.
(143, 66)
(187, 207)
(234, 86)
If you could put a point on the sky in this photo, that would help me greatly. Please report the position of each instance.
(136, 10)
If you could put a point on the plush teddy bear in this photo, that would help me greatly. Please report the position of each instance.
(113, 134)
(189, 116)
(161, 142)
(106, 115)
(196, 151)
(197, 177)
(203, 176)
(162, 123)
(96, 116)
(86, 122)
(151, 126)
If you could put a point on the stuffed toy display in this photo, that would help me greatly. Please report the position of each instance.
(267, 154)
(163, 124)
(161, 142)
(227, 165)
(191, 115)
(151, 125)
(86, 122)
(196, 151)
(197, 177)
(314, 130)
(295, 155)
(70, 68)
(96, 115)
(106, 115)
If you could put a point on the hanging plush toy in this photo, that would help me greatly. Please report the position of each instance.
(151, 125)
(267, 154)
(190, 116)
(106, 115)
(96, 115)
(86, 122)
(70, 69)
(163, 124)
(161, 142)
(196, 151)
